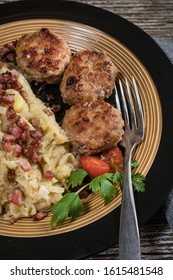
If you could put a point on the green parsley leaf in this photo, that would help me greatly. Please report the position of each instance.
(76, 178)
(134, 163)
(76, 208)
(107, 191)
(69, 205)
(103, 184)
(118, 178)
(96, 183)
(138, 182)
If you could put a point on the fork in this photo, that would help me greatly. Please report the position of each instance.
(130, 106)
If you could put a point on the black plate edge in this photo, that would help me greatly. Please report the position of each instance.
(151, 60)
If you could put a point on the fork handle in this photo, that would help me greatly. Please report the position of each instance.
(129, 240)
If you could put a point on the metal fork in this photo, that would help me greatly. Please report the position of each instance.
(131, 108)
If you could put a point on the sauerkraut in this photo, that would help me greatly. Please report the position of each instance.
(34, 150)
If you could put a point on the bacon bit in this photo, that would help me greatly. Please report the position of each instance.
(36, 134)
(40, 215)
(8, 138)
(36, 158)
(10, 114)
(49, 175)
(22, 124)
(24, 135)
(8, 147)
(25, 165)
(16, 196)
(9, 99)
(16, 132)
(36, 144)
(27, 150)
(16, 85)
(18, 150)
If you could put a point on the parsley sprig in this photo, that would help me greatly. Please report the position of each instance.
(71, 205)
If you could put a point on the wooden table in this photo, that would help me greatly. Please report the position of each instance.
(156, 18)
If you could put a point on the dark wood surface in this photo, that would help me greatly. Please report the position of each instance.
(156, 18)
(153, 16)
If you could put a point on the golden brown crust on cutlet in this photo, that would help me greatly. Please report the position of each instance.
(90, 75)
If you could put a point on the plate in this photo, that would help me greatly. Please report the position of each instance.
(134, 53)
(80, 36)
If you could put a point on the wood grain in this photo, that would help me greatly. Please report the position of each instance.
(154, 16)
(156, 241)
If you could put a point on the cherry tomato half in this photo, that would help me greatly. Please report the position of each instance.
(113, 156)
(94, 165)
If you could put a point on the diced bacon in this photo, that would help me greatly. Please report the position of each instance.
(16, 85)
(8, 147)
(24, 135)
(9, 99)
(8, 138)
(40, 215)
(22, 124)
(10, 114)
(49, 175)
(16, 196)
(16, 132)
(36, 134)
(18, 150)
(35, 158)
(36, 144)
(27, 150)
(25, 165)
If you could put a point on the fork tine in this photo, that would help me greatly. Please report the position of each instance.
(124, 105)
(131, 106)
(140, 111)
(117, 101)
